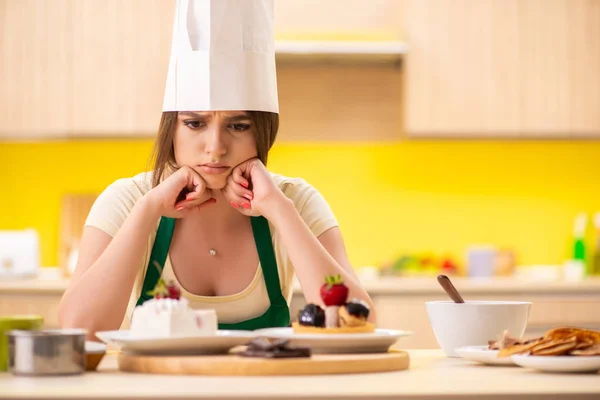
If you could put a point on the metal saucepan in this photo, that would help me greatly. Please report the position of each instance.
(46, 352)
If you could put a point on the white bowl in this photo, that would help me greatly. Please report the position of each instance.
(474, 323)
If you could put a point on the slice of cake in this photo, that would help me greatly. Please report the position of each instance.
(337, 314)
(161, 318)
(169, 315)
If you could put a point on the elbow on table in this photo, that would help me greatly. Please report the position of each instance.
(68, 318)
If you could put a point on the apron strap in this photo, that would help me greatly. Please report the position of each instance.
(266, 255)
(264, 247)
(159, 254)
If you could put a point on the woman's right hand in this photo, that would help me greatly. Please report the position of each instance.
(180, 194)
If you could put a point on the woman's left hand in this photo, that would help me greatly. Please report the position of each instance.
(251, 190)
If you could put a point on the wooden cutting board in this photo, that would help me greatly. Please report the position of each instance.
(74, 210)
(232, 365)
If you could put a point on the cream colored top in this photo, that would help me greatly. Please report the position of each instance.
(116, 202)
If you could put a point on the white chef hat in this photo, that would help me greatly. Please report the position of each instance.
(222, 57)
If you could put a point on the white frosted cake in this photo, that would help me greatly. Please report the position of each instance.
(169, 317)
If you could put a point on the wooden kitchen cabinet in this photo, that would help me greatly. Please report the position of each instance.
(511, 68)
(83, 67)
(97, 68)
(120, 58)
(121, 52)
(338, 19)
(34, 68)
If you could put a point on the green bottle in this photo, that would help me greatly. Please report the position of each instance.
(579, 252)
(579, 249)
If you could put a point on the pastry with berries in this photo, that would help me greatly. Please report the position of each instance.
(353, 313)
(168, 314)
(336, 314)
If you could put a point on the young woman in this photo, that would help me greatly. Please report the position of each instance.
(231, 234)
(228, 232)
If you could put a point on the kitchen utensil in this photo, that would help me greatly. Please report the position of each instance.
(12, 322)
(46, 352)
(474, 323)
(74, 209)
(233, 365)
(450, 289)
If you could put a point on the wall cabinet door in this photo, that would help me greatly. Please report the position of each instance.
(121, 53)
(510, 68)
(97, 68)
(119, 61)
(338, 19)
(34, 68)
(83, 67)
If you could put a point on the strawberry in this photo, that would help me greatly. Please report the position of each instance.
(333, 291)
(162, 290)
(174, 291)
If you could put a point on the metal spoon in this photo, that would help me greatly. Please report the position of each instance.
(450, 289)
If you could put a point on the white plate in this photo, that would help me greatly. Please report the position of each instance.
(215, 344)
(374, 342)
(483, 355)
(559, 363)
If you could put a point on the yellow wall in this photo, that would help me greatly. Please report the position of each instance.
(408, 196)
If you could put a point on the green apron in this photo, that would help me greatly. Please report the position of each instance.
(278, 313)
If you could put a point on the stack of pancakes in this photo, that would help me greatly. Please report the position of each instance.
(555, 342)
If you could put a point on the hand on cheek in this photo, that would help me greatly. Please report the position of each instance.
(250, 188)
(238, 193)
(181, 193)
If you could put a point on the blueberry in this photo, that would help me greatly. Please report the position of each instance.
(312, 315)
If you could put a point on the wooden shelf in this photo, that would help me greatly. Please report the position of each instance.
(364, 51)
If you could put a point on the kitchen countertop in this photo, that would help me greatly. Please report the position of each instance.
(430, 375)
(51, 283)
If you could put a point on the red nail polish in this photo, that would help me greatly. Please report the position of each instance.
(213, 200)
(246, 205)
(235, 205)
(179, 208)
(244, 185)
(248, 196)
